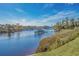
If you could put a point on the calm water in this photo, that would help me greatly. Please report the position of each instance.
(20, 43)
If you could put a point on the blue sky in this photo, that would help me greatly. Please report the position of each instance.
(37, 13)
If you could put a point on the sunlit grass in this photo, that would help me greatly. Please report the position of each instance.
(59, 39)
(69, 49)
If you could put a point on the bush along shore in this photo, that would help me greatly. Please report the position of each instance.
(66, 31)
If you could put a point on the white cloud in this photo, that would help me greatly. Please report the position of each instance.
(19, 10)
(50, 20)
(45, 19)
(24, 22)
(69, 4)
(60, 15)
(49, 5)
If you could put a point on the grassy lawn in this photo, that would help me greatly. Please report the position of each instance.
(69, 49)
(57, 40)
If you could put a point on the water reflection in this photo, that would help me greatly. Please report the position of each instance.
(14, 35)
(20, 43)
(39, 35)
(9, 36)
(18, 35)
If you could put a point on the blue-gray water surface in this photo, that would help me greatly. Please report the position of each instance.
(21, 43)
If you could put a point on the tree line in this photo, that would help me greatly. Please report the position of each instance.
(66, 24)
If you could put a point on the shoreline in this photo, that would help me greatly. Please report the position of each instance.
(57, 40)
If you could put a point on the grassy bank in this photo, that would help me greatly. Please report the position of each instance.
(62, 43)
(69, 49)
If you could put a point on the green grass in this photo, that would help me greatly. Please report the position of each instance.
(57, 40)
(69, 49)
(63, 43)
